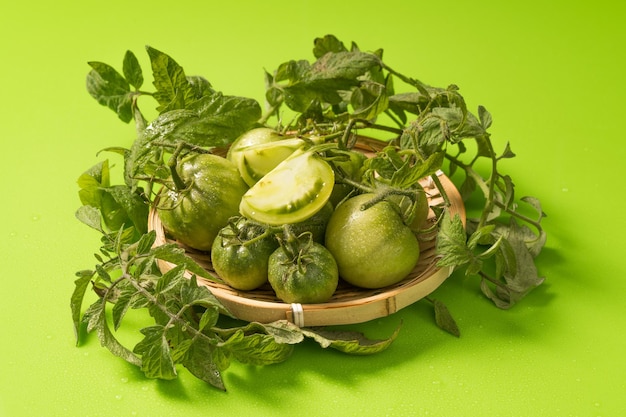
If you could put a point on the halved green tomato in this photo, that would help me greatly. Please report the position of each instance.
(256, 161)
(258, 151)
(292, 192)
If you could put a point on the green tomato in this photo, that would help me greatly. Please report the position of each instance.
(315, 224)
(373, 247)
(260, 150)
(290, 193)
(240, 254)
(352, 169)
(194, 215)
(308, 276)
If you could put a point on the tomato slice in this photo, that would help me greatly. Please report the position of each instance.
(292, 192)
(254, 162)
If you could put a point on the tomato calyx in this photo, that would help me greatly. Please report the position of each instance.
(296, 247)
(245, 232)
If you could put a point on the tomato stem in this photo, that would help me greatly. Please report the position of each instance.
(172, 163)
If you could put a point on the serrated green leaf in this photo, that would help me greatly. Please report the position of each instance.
(342, 65)
(110, 89)
(173, 90)
(507, 153)
(518, 282)
(97, 321)
(122, 304)
(208, 318)
(256, 348)
(129, 206)
(369, 100)
(199, 360)
(90, 184)
(282, 331)
(215, 120)
(444, 319)
(451, 242)
(90, 216)
(485, 117)
(193, 294)
(480, 236)
(145, 243)
(328, 43)
(171, 280)
(76, 301)
(132, 70)
(154, 349)
(173, 253)
(410, 175)
(200, 86)
(354, 343)
(412, 102)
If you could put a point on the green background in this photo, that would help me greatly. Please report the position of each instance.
(550, 73)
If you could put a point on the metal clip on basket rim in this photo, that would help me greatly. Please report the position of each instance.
(298, 314)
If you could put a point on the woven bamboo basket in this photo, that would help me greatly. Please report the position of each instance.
(349, 304)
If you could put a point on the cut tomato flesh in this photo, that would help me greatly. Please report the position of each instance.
(293, 191)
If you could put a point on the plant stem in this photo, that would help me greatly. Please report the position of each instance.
(179, 184)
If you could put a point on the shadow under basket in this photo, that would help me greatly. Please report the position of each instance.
(349, 304)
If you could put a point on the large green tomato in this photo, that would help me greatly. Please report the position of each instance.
(240, 254)
(213, 189)
(373, 247)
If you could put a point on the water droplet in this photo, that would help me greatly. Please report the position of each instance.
(124, 380)
(49, 337)
(565, 189)
(36, 217)
(118, 397)
(12, 234)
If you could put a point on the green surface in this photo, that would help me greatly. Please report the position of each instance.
(551, 74)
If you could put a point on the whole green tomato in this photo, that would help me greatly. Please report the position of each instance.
(211, 195)
(351, 168)
(303, 271)
(373, 247)
(240, 254)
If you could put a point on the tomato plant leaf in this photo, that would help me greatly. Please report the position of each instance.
(90, 216)
(451, 242)
(200, 361)
(444, 319)
(256, 348)
(328, 43)
(214, 120)
(95, 317)
(173, 90)
(354, 343)
(132, 70)
(110, 89)
(174, 254)
(127, 208)
(154, 349)
(76, 301)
